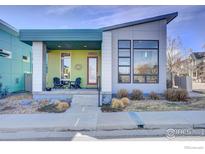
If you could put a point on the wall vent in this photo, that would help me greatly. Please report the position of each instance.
(5, 53)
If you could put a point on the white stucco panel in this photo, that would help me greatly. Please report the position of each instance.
(106, 77)
(148, 31)
(38, 54)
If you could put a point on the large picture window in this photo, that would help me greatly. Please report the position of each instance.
(146, 67)
(124, 61)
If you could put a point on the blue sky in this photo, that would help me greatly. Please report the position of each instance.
(189, 25)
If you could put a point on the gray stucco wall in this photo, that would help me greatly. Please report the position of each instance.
(149, 31)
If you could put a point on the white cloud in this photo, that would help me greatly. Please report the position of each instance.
(121, 15)
(60, 10)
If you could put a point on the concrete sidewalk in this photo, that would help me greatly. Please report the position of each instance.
(173, 119)
(88, 118)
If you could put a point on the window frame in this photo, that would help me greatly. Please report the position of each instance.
(118, 66)
(145, 75)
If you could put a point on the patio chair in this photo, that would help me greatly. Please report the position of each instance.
(57, 83)
(76, 84)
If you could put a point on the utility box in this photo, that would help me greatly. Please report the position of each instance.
(184, 82)
(28, 82)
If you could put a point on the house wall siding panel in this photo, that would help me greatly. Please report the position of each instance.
(149, 31)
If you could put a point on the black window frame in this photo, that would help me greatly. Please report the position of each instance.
(145, 75)
(124, 65)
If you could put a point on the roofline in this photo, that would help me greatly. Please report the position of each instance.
(8, 28)
(168, 17)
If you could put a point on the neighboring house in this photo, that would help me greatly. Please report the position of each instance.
(130, 55)
(197, 71)
(14, 58)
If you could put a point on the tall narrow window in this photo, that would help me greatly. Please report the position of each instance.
(124, 61)
(92, 70)
(65, 66)
(146, 61)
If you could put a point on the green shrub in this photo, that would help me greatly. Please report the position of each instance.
(136, 94)
(153, 96)
(176, 94)
(122, 93)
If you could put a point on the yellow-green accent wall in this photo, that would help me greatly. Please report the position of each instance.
(78, 57)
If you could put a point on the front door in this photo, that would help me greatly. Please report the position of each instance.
(92, 67)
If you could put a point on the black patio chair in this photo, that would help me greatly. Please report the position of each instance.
(57, 83)
(76, 84)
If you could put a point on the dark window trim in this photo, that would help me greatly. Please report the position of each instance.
(124, 65)
(145, 75)
(146, 48)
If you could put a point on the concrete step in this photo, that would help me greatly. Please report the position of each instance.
(85, 100)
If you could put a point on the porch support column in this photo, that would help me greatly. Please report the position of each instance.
(39, 66)
(106, 76)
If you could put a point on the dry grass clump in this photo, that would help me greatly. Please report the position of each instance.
(122, 93)
(176, 94)
(125, 101)
(153, 96)
(136, 94)
(116, 103)
(62, 106)
(56, 107)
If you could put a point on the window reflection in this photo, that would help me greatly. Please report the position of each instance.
(145, 61)
(65, 66)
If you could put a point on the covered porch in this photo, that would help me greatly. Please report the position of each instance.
(66, 55)
(69, 54)
(72, 61)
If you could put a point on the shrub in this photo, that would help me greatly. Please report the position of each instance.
(54, 107)
(116, 103)
(122, 93)
(62, 106)
(176, 94)
(125, 101)
(136, 94)
(182, 95)
(108, 108)
(153, 96)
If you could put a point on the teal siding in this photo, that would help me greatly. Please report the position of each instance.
(13, 69)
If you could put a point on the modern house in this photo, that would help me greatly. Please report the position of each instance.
(198, 66)
(130, 55)
(15, 59)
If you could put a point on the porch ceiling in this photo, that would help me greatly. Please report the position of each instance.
(73, 45)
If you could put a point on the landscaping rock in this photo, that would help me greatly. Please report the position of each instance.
(25, 102)
(106, 99)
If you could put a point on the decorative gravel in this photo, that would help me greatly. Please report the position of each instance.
(18, 104)
(22, 104)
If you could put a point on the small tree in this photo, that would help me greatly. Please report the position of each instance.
(174, 56)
